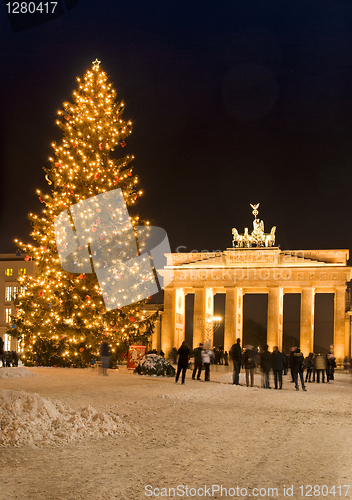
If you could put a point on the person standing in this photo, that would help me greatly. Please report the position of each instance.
(226, 358)
(14, 358)
(265, 364)
(236, 354)
(278, 365)
(249, 364)
(105, 356)
(198, 363)
(216, 353)
(221, 355)
(182, 364)
(207, 356)
(330, 367)
(298, 368)
(346, 363)
(320, 367)
(292, 363)
(308, 363)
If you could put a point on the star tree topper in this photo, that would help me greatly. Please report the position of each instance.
(96, 63)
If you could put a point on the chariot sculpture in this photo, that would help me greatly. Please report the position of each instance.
(257, 238)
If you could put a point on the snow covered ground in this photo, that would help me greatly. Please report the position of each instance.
(73, 434)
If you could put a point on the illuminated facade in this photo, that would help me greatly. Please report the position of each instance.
(239, 271)
(11, 267)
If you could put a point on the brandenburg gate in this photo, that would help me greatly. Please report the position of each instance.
(255, 265)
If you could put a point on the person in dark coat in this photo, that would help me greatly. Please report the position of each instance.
(308, 364)
(217, 356)
(14, 356)
(278, 364)
(286, 363)
(249, 364)
(346, 363)
(182, 364)
(226, 358)
(8, 358)
(197, 354)
(292, 363)
(236, 355)
(265, 364)
(330, 367)
(298, 368)
(105, 356)
(221, 355)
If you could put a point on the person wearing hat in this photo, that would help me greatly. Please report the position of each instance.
(197, 354)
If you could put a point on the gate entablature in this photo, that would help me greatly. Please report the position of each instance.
(257, 257)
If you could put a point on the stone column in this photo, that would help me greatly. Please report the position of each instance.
(156, 335)
(339, 324)
(179, 317)
(348, 333)
(275, 317)
(350, 336)
(307, 320)
(198, 316)
(168, 321)
(233, 317)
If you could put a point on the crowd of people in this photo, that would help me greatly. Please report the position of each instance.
(8, 358)
(303, 370)
(203, 357)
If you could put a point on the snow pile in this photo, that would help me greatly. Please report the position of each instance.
(152, 364)
(15, 372)
(30, 419)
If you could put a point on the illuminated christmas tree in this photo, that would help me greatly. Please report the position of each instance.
(61, 315)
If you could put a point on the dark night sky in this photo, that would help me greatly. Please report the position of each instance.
(233, 102)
